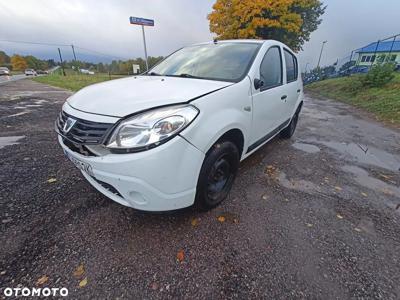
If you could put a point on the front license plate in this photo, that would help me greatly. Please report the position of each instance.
(80, 164)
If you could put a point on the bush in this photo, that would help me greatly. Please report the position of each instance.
(354, 86)
(379, 75)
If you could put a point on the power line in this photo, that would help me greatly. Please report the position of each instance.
(64, 45)
(35, 43)
(100, 53)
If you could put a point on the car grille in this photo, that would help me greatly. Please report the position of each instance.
(83, 132)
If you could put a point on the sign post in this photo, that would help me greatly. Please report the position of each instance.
(143, 22)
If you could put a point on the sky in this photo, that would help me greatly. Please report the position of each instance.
(100, 29)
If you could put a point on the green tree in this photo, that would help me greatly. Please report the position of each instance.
(4, 58)
(288, 21)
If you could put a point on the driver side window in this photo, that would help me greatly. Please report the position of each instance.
(271, 68)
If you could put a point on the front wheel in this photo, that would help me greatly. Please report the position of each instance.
(217, 175)
(291, 128)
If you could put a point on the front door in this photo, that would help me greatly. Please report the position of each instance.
(269, 109)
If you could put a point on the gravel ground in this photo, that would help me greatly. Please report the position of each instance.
(315, 217)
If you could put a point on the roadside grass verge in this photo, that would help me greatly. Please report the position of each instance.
(383, 102)
(74, 82)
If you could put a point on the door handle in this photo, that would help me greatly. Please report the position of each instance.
(299, 90)
(284, 97)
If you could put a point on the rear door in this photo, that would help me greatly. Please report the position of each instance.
(269, 107)
(293, 84)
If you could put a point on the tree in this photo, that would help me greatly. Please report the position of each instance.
(4, 58)
(18, 63)
(289, 21)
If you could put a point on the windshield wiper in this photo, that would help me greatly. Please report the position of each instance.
(153, 74)
(185, 75)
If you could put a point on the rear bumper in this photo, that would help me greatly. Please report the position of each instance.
(160, 179)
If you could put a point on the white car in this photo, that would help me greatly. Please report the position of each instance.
(4, 71)
(87, 72)
(30, 72)
(174, 137)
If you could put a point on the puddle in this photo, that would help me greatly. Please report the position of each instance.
(17, 114)
(299, 185)
(306, 147)
(9, 140)
(317, 114)
(40, 101)
(364, 154)
(363, 178)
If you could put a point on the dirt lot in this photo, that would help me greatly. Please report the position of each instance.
(314, 217)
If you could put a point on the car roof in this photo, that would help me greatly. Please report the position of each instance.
(239, 41)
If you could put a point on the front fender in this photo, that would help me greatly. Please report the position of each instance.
(220, 112)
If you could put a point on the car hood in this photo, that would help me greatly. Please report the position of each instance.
(122, 97)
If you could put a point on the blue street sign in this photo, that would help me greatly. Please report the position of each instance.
(141, 21)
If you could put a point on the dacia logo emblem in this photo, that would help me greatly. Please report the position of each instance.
(68, 125)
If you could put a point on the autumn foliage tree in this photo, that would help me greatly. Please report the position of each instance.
(288, 21)
(18, 63)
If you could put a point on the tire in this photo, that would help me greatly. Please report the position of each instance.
(217, 175)
(288, 132)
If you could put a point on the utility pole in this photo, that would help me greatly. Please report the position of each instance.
(62, 64)
(73, 52)
(320, 55)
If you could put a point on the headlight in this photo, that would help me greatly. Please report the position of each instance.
(150, 129)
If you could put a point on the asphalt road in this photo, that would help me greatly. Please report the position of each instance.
(310, 218)
(5, 79)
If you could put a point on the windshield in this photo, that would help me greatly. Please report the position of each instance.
(217, 61)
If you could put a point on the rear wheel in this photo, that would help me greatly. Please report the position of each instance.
(291, 128)
(217, 175)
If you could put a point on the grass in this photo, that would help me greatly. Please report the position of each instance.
(383, 102)
(73, 81)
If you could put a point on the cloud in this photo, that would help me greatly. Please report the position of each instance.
(103, 26)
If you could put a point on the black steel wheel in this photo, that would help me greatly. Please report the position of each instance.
(217, 175)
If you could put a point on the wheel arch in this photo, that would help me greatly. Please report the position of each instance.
(234, 135)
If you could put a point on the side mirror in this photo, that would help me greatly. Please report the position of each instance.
(258, 83)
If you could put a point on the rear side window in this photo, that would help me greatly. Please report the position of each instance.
(271, 68)
(291, 66)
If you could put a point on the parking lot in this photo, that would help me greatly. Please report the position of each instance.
(313, 217)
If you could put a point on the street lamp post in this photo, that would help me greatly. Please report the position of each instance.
(320, 55)
(305, 69)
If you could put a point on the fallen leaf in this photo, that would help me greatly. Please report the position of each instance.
(339, 216)
(236, 221)
(194, 222)
(357, 229)
(180, 256)
(364, 194)
(83, 282)
(51, 180)
(80, 270)
(154, 286)
(221, 219)
(385, 176)
(338, 188)
(386, 191)
(42, 280)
